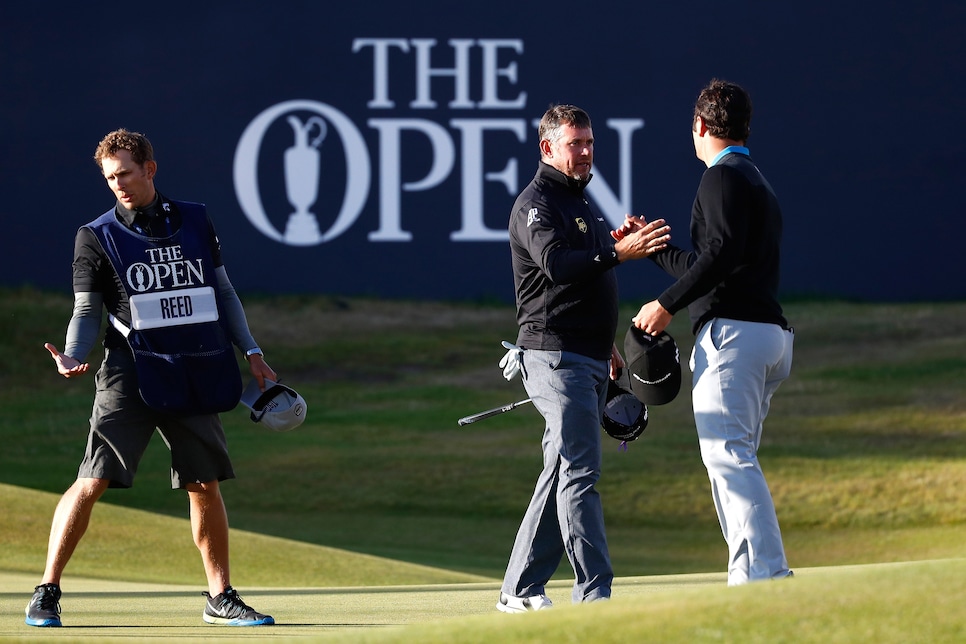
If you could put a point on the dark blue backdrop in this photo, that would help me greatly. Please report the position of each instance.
(429, 109)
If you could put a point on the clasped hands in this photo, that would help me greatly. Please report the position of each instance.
(640, 239)
(636, 238)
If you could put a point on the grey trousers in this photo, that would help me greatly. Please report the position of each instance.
(565, 513)
(737, 366)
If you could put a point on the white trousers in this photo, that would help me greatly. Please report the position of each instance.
(737, 366)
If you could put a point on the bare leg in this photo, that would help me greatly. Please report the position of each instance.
(209, 526)
(69, 524)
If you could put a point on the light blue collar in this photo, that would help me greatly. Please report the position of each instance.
(737, 149)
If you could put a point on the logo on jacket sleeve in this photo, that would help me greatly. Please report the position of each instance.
(581, 224)
(532, 217)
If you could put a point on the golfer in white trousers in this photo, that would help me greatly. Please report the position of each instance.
(743, 343)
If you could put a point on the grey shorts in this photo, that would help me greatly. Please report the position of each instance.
(122, 426)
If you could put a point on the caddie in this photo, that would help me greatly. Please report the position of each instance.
(155, 265)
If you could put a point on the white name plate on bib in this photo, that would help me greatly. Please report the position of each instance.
(172, 308)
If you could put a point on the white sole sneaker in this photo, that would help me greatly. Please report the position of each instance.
(509, 604)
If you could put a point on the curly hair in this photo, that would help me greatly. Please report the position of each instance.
(559, 115)
(134, 142)
(725, 109)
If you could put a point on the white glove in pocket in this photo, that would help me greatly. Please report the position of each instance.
(512, 362)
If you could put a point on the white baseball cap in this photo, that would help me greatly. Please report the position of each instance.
(279, 408)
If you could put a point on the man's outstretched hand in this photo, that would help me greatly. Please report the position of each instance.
(66, 366)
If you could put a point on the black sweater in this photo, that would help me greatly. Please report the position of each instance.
(734, 270)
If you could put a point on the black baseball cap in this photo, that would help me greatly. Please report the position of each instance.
(625, 417)
(654, 363)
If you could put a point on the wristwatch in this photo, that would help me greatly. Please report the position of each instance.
(253, 351)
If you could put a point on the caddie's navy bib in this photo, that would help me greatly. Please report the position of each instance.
(184, 359)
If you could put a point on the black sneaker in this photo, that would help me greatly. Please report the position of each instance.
(228, 609)
(44, 606)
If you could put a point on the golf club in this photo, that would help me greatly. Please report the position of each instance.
(466, 420)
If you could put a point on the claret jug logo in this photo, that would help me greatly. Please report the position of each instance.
(309, 216)
(301, 167)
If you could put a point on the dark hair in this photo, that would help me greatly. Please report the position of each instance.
(134, 142)
(725, 109)
(560, 115)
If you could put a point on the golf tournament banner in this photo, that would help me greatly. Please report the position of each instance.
(375, 149)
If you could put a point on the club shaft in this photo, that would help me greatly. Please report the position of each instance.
(491, 412)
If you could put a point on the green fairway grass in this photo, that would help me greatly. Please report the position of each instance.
(889, 603)
(868, 435)
(864, 451)
(128, 544)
